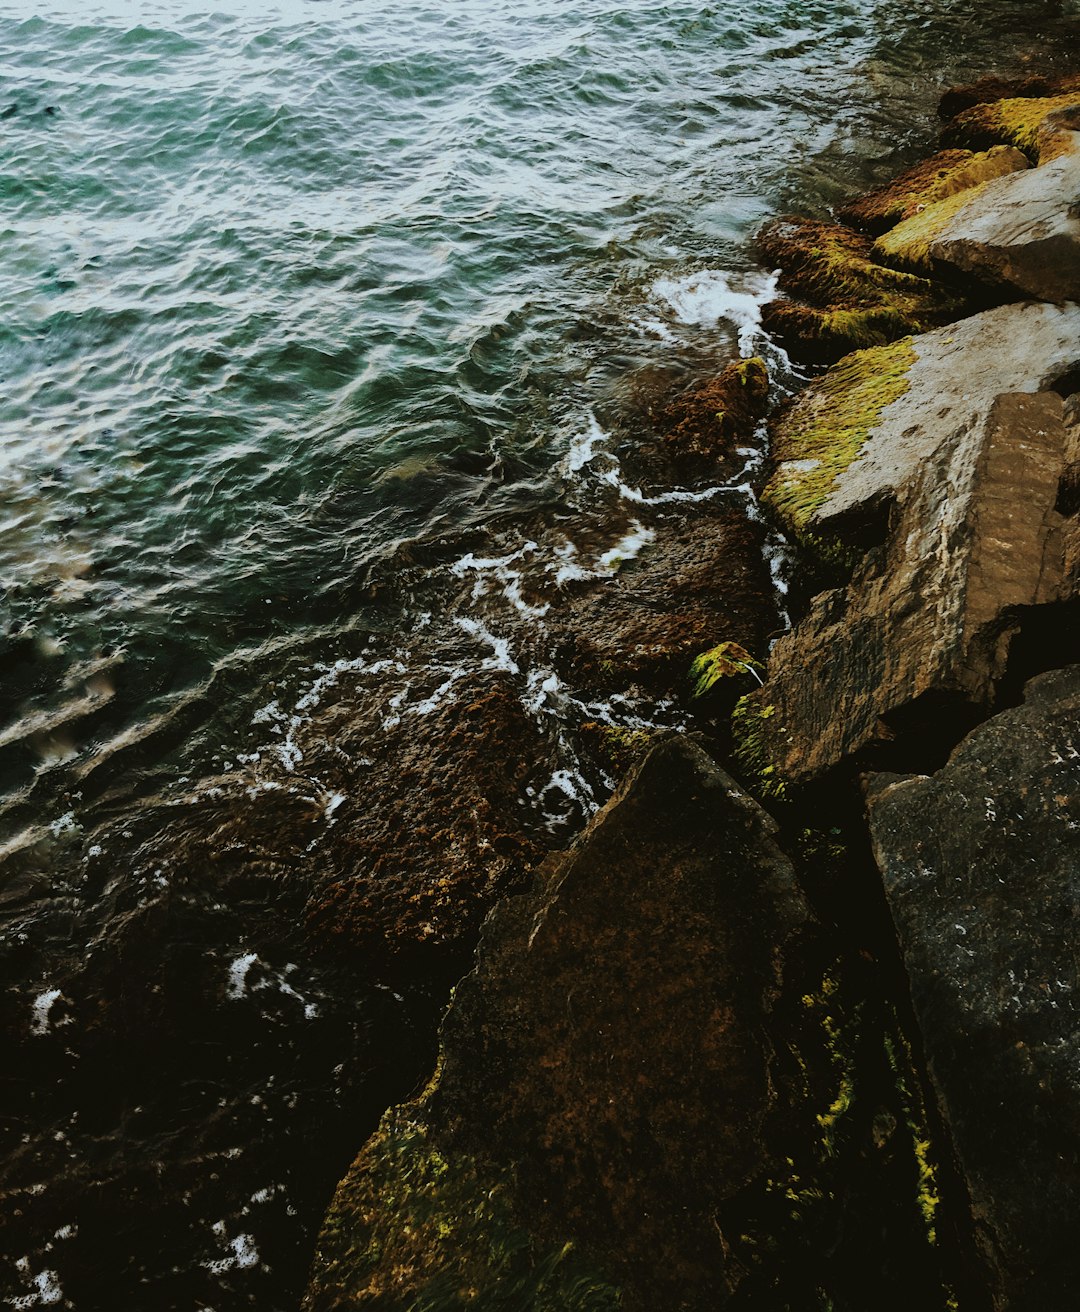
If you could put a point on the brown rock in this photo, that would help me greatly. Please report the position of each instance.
(611, 1077)
(917, 643)
(991, 88)
(700, 580)
(849, 299)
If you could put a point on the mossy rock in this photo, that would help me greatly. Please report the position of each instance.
(417, 1227)
(852, 300)
(926, 183)
(616, 747)
(1019, 121)
(824, 430)
(992, 87)
(724, 663)
(710, 418)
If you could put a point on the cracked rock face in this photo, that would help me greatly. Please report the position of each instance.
(918, 642)
(981, 867)
(959, 373)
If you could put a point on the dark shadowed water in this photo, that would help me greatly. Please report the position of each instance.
(319, 326)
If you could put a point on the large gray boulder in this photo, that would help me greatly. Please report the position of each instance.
(855, 439)
(981, 866)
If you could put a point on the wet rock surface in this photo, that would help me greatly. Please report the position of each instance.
(610, 1056)
(981, 866)
(702, 580)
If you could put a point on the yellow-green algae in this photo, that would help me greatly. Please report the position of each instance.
(909, 242)
(726, 661)
(618, 747)
(928, 182)
(855, 301)
(416, 1227)
(1016, 121)
(749, 736)
(824, 431)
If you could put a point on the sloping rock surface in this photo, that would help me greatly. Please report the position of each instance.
(613, 1074)
(981, 865)
(834, 469)
(919, 639)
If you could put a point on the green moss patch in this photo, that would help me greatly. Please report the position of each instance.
(826, 428)
(415, 1227)
(909, 242)
(750, 736)
(729, 660)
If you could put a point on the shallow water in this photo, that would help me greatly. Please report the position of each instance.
(324, 330)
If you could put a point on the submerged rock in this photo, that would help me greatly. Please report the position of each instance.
(699, 579)
(981, 866)
(855, 438)
(612, 1075)
(916, 645)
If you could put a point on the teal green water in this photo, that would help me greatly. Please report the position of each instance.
(310, 315)
(283, 286)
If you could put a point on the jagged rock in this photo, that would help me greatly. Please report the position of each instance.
(981, 865)
(931, 180)
(919, 640)
(856, 437)
(1021, 231)
(613, 1074)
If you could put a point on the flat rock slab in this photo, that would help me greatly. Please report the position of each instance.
(1022, 231)
(981, 866)
(907, 656)
(843, 465)
(958, 374)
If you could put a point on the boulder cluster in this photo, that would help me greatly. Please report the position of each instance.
(802, 1031)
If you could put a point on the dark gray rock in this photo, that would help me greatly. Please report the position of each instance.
(981, 866)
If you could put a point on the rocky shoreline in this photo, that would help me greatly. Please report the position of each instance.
(798, 1030)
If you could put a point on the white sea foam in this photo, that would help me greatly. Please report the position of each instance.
(241, 1253)
(45, 1292)
(631, 544)
(583, 448)
(238, 972)
(499, 568)
(500, 659)
(712, 296)
(43, 1005)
